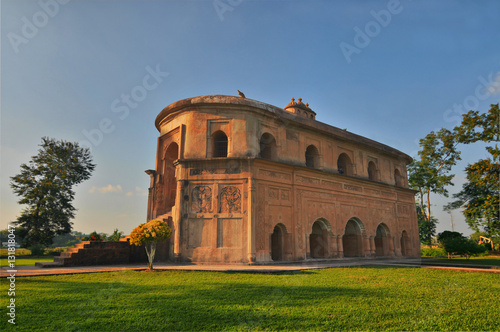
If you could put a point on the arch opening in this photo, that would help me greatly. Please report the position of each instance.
(398, 179)
(318, 239)
(278, 242)
(344, 164)
(268, 147)
(312, 156)
(382, 238)
(372, 171)
(352, 241)
(220, 144)
(405, 244)
(169, 180)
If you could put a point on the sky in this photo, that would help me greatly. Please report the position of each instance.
(99, 72)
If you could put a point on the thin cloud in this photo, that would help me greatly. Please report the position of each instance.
(140, 192)
(104, 190)
(494, 88)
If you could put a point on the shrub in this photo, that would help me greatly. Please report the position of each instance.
(94, 236)
(36, 250)
(432, 252)
(460, 245)
(149, 234)
(116, 236)
(55, 251)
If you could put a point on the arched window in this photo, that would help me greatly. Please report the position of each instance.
(219, 140)
(268, 147)
(372, 171)
(398, 179)
(344, 164)
(312, 157)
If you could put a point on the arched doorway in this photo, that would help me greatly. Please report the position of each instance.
(220, 144)
(405, 244)
(278, 242)
(312, 157)
(268, 147)
(318, 239)
(352, 241)
(344, 164)
(382, 238)
(372, 171)
(170, 183)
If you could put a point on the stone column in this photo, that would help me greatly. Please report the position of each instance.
(372, 246)
(177, 220)
(366, 245)
(251, 220)
(340, 246)
(151, 192)
(308, 247)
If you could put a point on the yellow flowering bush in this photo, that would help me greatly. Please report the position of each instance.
(149, 234)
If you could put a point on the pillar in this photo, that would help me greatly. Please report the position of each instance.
(251, 220)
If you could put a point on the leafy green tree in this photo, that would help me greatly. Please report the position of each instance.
(426, 228)
(455, 243)
(65, 240)
(45, 186)
(429, 174)
(479, 196)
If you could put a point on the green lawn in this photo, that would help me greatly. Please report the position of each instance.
(328, 299)
(27, 261)
(487, 260)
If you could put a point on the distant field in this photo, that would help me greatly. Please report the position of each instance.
(329, 299)
(18, 252)
(27, 261)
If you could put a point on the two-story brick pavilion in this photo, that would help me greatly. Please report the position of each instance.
(241, 181)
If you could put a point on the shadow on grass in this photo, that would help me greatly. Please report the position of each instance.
(132, 301)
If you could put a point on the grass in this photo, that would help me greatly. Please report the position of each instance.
(486, 260)
(27, 261)
(328, 299)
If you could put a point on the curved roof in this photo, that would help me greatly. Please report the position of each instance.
(286, 117)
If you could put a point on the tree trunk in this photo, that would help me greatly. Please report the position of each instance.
(150, 251)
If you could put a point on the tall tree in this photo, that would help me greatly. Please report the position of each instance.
(45, 186)
(479, 196)
(429, 174)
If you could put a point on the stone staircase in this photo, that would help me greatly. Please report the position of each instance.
(88, 253)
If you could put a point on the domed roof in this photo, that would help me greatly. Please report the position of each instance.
(293, 107)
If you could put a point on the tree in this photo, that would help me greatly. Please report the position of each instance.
(45, 185)
(116, 236)
(429, 174)
(149, 234)
(479, 196)
(426, 228)
(455, 243)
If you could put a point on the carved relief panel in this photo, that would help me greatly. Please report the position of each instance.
(230, 200)
(201, 198)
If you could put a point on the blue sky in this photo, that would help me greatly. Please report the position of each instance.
(388, 70)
